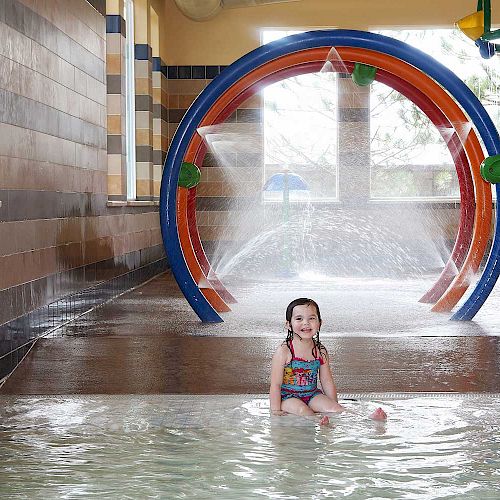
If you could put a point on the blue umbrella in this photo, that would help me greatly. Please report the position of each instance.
(277, 182)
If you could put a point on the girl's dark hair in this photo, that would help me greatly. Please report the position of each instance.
(317, 345)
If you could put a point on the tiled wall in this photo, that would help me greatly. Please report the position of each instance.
(58, 234)
(144, 120)
(116, 107)
(219, 194)
(160, 122)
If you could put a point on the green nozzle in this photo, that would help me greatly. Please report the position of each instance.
(189, 176)
(490, 169)
(363, 74)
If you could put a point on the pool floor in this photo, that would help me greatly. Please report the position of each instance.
(380, 339)
(138, 399)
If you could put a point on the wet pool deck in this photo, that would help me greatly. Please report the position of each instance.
(148, 341)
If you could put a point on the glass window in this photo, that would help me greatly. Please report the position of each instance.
(300, 134)
(409, 158)
(130, 100)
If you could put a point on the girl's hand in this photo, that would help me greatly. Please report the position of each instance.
(278, 413)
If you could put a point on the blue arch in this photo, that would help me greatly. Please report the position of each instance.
(314, 39)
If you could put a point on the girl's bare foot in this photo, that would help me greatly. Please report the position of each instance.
(324, 420)
(379, 414)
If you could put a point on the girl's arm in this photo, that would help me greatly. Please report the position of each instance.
(277, 366)
(326, 377)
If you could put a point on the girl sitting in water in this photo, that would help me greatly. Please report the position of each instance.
(296, 364)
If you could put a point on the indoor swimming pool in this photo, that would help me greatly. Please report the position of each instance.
(229, 447)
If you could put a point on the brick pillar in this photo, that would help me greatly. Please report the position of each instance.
(143, 101)
(354, 141)
(116, 106)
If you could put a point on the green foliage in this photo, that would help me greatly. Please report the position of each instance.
(389, 183)
(442, 182)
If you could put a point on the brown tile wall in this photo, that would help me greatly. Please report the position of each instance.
(160, 122)
(144, 121)
(116, 114)
(54, 217)
(219, 195)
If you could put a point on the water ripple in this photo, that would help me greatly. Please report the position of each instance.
(164, 447)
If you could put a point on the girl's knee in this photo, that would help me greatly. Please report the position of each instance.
(325, 404)
(334, 407)
(297, 407)
(304, 411)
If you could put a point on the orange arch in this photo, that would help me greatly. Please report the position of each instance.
(190, 257)
(483, 214)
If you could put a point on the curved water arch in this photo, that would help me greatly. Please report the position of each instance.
(251, 63)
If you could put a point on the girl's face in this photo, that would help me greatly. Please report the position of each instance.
(305, 321)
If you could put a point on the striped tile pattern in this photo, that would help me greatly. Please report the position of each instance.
(219, 194)
(160, 122)
(116, 104)
(57, 233)
(144, 121)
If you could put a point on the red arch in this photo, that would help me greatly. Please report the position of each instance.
(277, 68)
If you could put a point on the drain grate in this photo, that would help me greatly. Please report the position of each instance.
(241, 398)
(409, 395)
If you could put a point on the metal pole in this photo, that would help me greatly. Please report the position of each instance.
(286, 210)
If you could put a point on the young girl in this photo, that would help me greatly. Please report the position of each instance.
(297, 363)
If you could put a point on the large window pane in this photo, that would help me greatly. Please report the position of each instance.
(300, 132)
(409, 158)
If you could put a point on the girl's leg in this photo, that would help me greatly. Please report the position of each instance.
(322, 403)
(297, 407)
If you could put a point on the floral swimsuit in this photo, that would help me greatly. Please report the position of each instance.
(300, 378)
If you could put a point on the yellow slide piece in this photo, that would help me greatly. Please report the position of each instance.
(472, 25)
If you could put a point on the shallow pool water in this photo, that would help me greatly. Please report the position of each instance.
(228, 447)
